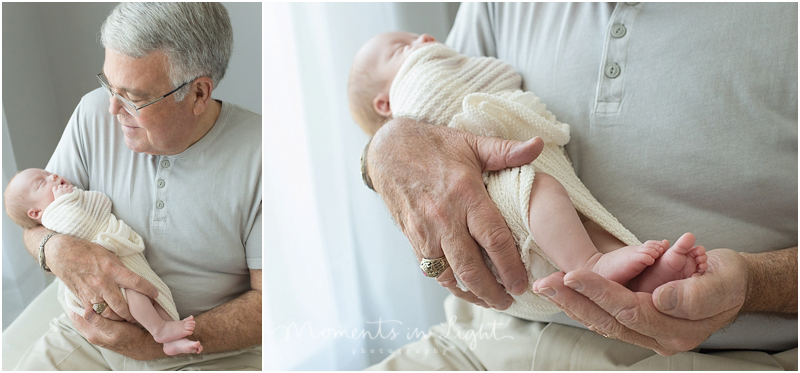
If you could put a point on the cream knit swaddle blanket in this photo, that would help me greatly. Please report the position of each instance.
(87, 215)
(482, 95)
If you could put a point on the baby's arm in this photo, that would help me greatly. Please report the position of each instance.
(60, 190)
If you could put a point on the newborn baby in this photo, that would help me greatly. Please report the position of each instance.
(399, 74)
(35, 197)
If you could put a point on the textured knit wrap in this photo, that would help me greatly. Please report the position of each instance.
(483, 96)
(87, 215)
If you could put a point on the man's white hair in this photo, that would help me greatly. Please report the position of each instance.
(196, 37)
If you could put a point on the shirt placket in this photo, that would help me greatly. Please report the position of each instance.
(165, 165)
(610, 86)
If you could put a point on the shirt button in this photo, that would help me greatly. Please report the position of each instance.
(159, 205)
(613, 70)
(161, 183)
(618, 31)
(165, 163)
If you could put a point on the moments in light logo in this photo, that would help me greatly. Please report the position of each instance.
(392, 330)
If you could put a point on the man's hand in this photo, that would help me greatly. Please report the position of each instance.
(430, 177)
(677, 317)
(118, 336)
(92, 273)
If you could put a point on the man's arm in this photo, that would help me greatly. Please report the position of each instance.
(92, 273)
(430, 178)
(230, 326)
(679, 315)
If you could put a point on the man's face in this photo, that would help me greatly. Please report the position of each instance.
(162, 128)
(387, 52)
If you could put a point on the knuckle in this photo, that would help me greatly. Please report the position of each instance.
(448, 282)
(629, 316)
(495, 238)
(470, 274)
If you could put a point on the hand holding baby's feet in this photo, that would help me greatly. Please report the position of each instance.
(682, 260)
(60, 190)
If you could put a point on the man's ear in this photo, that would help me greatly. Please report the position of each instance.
(34, 213)
(201, 94)
(381, 104)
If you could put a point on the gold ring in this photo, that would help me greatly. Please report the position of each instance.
(99, 307)
(433, 267)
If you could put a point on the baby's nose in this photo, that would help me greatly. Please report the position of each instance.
(425, 38)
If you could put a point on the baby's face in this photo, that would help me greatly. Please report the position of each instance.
(39, 186)
(385, 53)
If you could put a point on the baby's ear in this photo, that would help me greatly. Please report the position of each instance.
(381, 104)
(34, 214)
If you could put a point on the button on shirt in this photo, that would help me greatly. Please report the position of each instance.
(686, 121)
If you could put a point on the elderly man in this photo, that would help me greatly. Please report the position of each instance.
(184, 171)
(680, 121)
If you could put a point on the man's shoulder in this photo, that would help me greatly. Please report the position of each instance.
(237, 114)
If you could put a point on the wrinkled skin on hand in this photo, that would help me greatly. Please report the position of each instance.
(94, 274)
(430, 178)
(696, 306)
(118, 336)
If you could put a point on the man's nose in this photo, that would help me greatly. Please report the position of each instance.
(114, 106)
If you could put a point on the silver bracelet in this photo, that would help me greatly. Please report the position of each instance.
(42, 263)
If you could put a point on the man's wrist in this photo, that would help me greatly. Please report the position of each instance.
(364, 172)
(42, 256)
(771, 282)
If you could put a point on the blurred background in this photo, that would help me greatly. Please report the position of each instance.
(51, 54)
(342, 285)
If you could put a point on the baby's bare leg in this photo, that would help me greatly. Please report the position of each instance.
(162, 330)
(559, 232)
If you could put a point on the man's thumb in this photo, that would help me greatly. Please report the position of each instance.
(497, 154)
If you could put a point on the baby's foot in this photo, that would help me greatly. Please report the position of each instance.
(625, 263)
(681, 261)
(172, 330)
(182, 346)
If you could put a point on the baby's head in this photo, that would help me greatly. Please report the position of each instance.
(29, 193)
(374, 68)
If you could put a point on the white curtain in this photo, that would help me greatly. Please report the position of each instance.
(342, 284)
(22, 278)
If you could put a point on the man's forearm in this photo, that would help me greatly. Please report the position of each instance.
(232, 325)
(33, 238)
(772, 282)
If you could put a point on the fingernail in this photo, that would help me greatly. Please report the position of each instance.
(548, 292)
(668, 299)
(518, 287)
(575, 285)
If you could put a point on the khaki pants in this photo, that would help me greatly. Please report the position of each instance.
(64, 348)
(479, 339)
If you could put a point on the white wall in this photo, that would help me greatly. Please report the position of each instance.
(51, 54)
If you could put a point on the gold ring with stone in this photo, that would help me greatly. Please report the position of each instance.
(99, 307)
(433, 267)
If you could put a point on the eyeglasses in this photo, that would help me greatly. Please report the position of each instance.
(129, 106)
